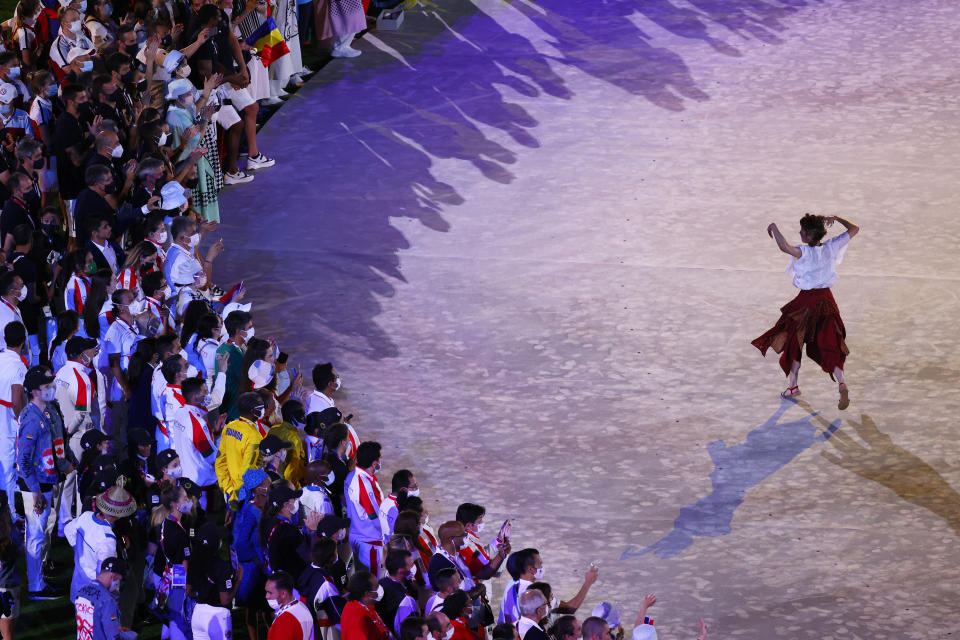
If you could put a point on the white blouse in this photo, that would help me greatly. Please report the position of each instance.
(816, 267)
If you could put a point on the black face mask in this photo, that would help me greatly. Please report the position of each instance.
(191, 184)
(110, 188)
(86, 111)
(166, 42)
(127, 78)
(141, 86)
(38, 165)
(116, 96)
(131, 50)
(50, 229)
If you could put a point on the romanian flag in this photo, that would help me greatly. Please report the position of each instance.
(227, 298)
(268, 42)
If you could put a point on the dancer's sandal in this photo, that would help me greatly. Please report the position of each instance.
(844, 397)
(790, 392)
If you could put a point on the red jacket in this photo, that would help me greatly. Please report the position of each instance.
(359, 622)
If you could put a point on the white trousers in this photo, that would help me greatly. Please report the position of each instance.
(35, 539)
(8, 469)
(211, 623)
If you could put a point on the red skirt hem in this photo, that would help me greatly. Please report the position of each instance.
(811, 319)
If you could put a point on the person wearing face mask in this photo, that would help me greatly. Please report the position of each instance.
(403, 482)
(72, 139)
(26, 32)
(145, 195)
(10, 71)
(252, 497)
(156, 234)
(79, 64)
(399, 599)
(273, 453)
(13, 368)
(15, 121)
(182, 115)
(12, 292)
(109, 103)
(195, 436)
(100, 23)
(483, 561)
(107, 254)
(292, 619)
(286, 546)
(524, 567)
(215, 584)
(174, 371)
(318, 588)
(439, 626)
(360, 620)
(326, 380)
(239, 328)
(314, 428)
(452, 539)
(94, 531)
(289, 431)
(316, 495)
(182, 257)
(71, 37)
(98, 616)
(108, 151)
(31, 161)
(362, 499)
(81, 396)
(533, 608)
(458, 608)
(171, 552)
(239, 444)
(37, 456)
(15, 209)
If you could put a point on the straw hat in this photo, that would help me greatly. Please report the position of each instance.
(117, 501)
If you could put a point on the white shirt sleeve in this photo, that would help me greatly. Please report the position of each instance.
(216, 394)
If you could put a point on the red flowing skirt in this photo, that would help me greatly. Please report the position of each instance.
(811, 319)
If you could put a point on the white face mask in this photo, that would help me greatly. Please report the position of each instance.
(413, 571)
(413, 493)
(117, 151)
(281, 456)
(194, 240)
(186, 507)
(296, 506)
(206, 400)
(379, 593)
(329, 480)
(183, 71)
(48, 394)
(74, 27)
(539, 574)
(175, 472)
(274, 603)
(249, 333)
(115, 586)
(426, 519)
(480, 527)
(449, 633)
(23, 293)
(163, 139)
(336, 384)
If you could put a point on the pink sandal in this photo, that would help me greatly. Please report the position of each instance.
(844, 398)
(791, 392)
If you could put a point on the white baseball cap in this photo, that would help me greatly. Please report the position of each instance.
(76, 52)
(8, 92)
(260, 373)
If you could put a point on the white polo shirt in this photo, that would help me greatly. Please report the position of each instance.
(12, 371)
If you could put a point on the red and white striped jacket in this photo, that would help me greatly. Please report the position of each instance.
(75, 295)
(363, 507)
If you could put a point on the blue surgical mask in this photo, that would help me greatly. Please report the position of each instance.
(6, 109)
(83, 6)
(51, 91)
(86, 66)
(14, 73)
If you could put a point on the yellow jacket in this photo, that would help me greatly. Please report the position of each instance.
(295, 466)
(239, 451)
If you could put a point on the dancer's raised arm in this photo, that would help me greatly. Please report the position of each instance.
(774, 233)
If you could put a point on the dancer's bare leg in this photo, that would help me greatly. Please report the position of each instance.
(792, 387)
(844, 394)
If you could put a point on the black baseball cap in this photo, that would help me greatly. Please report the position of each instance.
(273, 443)
(92, 438)
(191, 487)
(140, 437)
(282, 493)
(165, 457)
(78, 344)
(36, 377)
(113, 565)
(330, 524)
(208, 535)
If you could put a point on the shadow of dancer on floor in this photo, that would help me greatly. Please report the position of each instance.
(895, 468)
(737, 469)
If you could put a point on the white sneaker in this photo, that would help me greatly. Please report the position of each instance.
(305, 71)
(271, 102)
(237, 178)
(345, 52)
(296, 80)
(259, 161)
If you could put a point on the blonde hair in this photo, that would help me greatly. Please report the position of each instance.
(169, 494)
